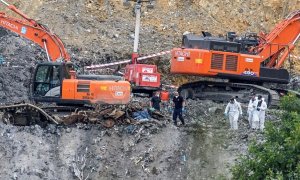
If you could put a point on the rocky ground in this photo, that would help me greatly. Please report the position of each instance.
(203, 149)
(81, 151)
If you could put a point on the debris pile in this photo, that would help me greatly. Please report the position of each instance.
(109, 142)
(134, 113)
(114, 142)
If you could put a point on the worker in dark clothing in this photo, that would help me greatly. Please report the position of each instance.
(155, 101)
(178, 107)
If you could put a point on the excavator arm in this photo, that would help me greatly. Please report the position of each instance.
(36, 32)
(277, 45)
(246, 62)
(56, 81)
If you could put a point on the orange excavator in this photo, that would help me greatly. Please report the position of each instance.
(55, 80)
(251, 63)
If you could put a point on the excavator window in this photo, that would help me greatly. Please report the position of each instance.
(42, 74)
(47, 78)
(55, 80)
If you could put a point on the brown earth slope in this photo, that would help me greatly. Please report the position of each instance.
(99, 27)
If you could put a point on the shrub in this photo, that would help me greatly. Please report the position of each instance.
(278, 157)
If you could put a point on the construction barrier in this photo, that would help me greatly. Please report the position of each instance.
(94, 67)
(153, 55)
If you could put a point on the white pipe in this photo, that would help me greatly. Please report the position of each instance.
(137, 27)
(46, 49)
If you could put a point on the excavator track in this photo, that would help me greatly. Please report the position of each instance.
(223, 91)
(26, 114)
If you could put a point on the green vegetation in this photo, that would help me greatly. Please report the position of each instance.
(278, 156)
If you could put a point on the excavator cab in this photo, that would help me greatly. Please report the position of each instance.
(47, 80)
(53, 82)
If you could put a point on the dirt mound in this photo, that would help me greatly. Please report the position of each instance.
(18, 60)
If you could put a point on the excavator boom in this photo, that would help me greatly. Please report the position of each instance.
(251, 60)
(281, 39)
(35, 32)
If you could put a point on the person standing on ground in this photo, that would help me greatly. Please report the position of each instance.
(164, 97)
(259, 114)
(155, 101)
(233, 110)
(178, 103)
(251, 107)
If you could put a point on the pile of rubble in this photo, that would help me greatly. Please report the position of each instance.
(111, 142)
(128, 142)
(18, 56)
(136, 112)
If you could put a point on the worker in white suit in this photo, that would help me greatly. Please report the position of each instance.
(259, 113)
(250, 110)
(233, 110)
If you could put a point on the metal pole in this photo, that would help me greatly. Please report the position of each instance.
(46, 49)
(137, 27)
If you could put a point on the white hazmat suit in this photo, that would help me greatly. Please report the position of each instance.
(250, 111)
(233, 110)
(259, 114)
